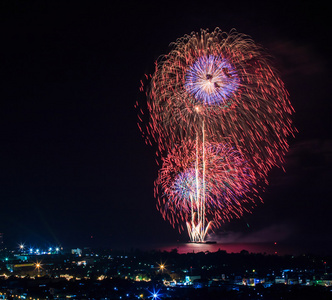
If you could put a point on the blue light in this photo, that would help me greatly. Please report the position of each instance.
(155, 294)
(212, 80)
(185, 184)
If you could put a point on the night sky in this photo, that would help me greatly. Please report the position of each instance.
(74, 169)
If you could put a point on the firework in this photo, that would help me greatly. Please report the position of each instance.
(226, 82)
(195, 183)
(218, 90)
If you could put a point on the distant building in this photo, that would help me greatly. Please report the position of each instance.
(190, 279)
(280, 279)
(76, 251)
(252, 281)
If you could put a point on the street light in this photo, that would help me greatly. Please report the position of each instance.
(162, 267)
(38, 266)
(155, 294)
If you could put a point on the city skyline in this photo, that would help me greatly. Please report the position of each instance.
(74, 168)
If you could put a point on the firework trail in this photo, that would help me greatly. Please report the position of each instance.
(226, 82)
(227, 188)
(217, 89)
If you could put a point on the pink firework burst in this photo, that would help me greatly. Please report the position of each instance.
(225, 81)
(226, 187)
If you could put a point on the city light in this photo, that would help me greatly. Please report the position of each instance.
(179, 273)
(38, 265)
(162, 267)
(154, 294)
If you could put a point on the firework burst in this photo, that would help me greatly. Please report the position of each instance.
(225, 189)
(217, 89)
(224, 81)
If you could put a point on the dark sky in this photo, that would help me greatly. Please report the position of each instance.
(72, 161)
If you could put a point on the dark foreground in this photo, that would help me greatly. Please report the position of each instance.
(105, 274)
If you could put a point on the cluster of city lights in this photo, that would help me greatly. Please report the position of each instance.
(38, 251)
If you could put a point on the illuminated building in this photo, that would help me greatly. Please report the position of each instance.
(76, 251)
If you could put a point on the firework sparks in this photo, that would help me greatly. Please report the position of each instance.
(225, 81)
(211, 80)
(225, 188)
(218, 89)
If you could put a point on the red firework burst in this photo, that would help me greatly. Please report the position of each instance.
(226, 82)
(220, 176)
